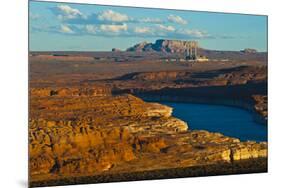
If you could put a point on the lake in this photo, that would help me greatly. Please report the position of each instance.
(230, 121)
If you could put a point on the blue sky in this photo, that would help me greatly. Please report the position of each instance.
(83, 27)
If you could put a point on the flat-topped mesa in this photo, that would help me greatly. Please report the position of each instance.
(140, 47)
(174, 46)
(168, 46)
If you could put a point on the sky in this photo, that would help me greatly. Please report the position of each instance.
(83, 27)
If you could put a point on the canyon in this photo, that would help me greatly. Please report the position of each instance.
(89, 119)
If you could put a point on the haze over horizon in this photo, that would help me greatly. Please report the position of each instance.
(83, 27)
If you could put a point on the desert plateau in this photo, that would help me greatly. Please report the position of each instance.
(98, 117)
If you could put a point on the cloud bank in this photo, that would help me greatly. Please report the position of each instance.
(112, 23)
(65, 12)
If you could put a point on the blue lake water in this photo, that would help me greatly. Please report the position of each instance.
(230, 121)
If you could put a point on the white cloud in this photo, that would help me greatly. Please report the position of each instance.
(150, 20)
(110, 15)
(114, 28)
(166, 28)
(66, 29)
(66, 12)
(142, 30)
(176, 19)
(193, 33)
(92, 29)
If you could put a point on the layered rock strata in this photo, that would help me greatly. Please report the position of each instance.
(74, 136)
(243, 86)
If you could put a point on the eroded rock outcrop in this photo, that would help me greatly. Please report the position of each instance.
(70, 91)
(86, 136)
(261, 105)
(61, 142)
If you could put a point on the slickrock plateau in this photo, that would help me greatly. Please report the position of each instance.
(72, 137)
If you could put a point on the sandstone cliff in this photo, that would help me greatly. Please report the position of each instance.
(73, 136)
